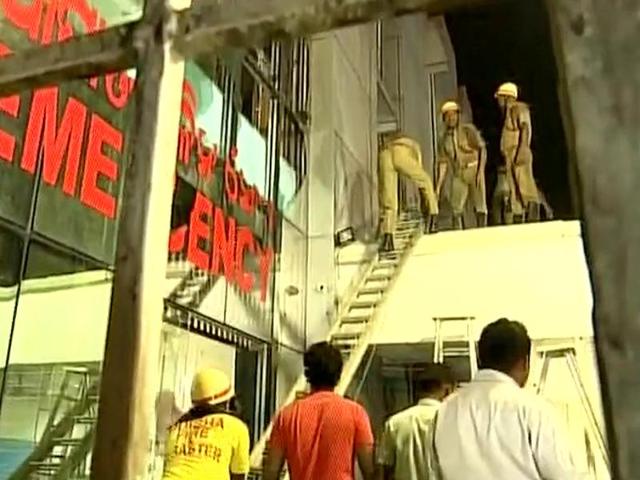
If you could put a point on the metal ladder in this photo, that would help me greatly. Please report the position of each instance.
(351, 331)
(593, 434)
(453, 343)
(67, 438)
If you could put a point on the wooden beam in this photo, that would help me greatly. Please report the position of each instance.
(211, 24)
(88, 55)
(597, 51)
(129, 383)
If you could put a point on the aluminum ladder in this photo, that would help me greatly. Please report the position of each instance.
(454, 338)
(593, 435)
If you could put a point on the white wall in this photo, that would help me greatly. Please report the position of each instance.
(60, 319)
(536, 274)
(342, 178)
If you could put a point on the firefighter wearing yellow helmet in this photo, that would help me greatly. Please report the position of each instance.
(462, 151)
(515, 146)
(401, 154)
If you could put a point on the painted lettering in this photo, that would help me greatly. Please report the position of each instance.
(224, 245)
(99, 165)
(200, 231)
(55, 140)
(231, 176)
(245, 243)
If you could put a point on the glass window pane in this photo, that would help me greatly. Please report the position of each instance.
(11, 247)
(73, 138)
(27, 24)
(56, 352)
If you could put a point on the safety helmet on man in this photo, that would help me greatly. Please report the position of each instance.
(450, 106)
(211, 386)
(508, 90)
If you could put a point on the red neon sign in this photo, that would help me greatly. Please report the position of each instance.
(82, 152)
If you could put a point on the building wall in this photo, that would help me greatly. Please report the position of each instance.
(536, 274)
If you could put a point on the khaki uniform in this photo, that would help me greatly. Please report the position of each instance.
(522, 184)
(460, 150)
(402, 155)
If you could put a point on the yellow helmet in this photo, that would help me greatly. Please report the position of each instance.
(450, 107)
(211, 386)
(508, 90)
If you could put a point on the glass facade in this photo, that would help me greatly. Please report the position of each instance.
(238, 236)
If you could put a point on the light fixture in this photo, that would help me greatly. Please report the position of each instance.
(345, 237)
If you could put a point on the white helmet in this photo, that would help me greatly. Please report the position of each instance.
(508, 90)
(450, 107)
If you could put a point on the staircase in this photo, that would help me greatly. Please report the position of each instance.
(67, 439)
(352, 332)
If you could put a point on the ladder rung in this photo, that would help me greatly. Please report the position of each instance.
(363, 304)
(371, 290)
(356, 319)
(378, 277)
(345, 336)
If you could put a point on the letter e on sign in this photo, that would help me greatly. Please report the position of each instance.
(98, 164)
(200, 229)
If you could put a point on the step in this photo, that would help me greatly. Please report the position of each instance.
(86, 420)
(67, 442)
(355, 319)
(345, 336)
(376, 277)
(371, 290)
(456, 352)
(358, 305)
(384, 266)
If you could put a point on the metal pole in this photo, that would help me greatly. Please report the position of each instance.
(126, 421)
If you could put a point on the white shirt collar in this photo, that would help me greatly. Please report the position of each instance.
(429, 402)
(488, 375)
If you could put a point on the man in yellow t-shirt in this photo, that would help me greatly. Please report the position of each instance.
(208, 442)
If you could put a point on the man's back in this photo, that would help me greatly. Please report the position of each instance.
(407, 442)
(319, 436)
(492, 429)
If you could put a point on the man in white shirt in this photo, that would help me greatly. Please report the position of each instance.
(405, 449)
(495, 430)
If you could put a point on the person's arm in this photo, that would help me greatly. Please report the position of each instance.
(273, 464)
(523, 121)
(550, 445)
(274, 461)
(364, 443)
(479, 145)
(443, 164)
(385, 455)
(239, 466)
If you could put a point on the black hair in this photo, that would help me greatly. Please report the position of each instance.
(503, 344)
(323, 365)
(433, 378)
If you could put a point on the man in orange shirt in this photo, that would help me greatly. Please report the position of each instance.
(320, 435)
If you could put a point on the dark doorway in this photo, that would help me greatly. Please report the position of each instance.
(508, 40)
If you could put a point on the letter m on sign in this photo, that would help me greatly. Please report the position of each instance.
(57, 138)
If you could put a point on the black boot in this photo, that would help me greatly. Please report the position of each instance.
(481, 220)
(387, 243)
(458, 223)
(518, 219)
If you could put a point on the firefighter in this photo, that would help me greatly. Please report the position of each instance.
(401, 154)
(462, 151)
(515, 147)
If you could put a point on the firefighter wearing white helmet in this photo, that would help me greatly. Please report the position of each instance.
(515, 146)
(462, 151)
(401, 154)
